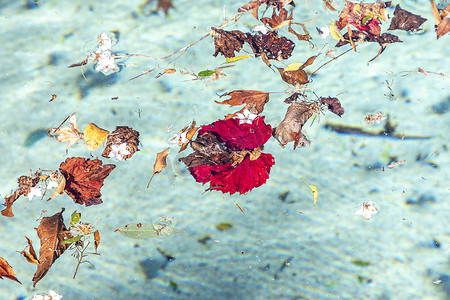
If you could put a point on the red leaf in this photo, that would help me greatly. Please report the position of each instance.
(84, 178)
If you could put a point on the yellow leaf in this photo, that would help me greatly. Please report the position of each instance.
(314, 190)
(236, 58)
(335, 33)
(94, 136)
(292, 67)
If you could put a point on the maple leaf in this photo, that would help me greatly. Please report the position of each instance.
(84, 179)
(69, 135)
(52, 232)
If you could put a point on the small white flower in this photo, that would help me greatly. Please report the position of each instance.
(105, 62)
(104, 41)
(246, 117)
(324, 31)
(35, 191)
(52, 295)
(367, 209)
(261, 28)
(119, 151)
(179, 138)
(52, 184)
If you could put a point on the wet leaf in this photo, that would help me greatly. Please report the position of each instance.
(52, 232)
(314, 191)
(206, 73)
(94, 136)
(404, 20)
(278, 21)
(146, 230)
(254, 101)
(443, 27)
(84, 179)
(227, 42)
(96, 239)
(7, 271)
(160, 163)
(290, 128)
(236, 58)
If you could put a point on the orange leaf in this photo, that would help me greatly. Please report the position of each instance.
(160, 163)
(7, 271)
(254, 100)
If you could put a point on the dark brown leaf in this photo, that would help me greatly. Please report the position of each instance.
(164, 5)
(333, 105)
(7, 271)
(84, 179)
(404, 20)
(96, 239)
(227, 42)
(25, 184)
(274, 47)
(301, 37)
(7, 212)
(294, 77)
(120, 135)
(290, 128)
(254, 101)
(292, 98)
(52, 232)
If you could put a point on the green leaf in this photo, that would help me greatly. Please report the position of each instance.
(71, 240)
(146, 230)
(75, 218)
(206, 73)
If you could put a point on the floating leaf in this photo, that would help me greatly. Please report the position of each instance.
(75, 218)
(227, 42)
(7, 271)
(404, 20)
(96, 239)
(314, 190)
(443, 27)
(69, 135)
(236, 58)
(206, 73)
(254, 101)
(278, 21)
(160, 163)
(71, 240)
(94, 136)
(334, 31)
(146, 230)
(60, 189)
(30, 257)
(52, 232)
(292, 67)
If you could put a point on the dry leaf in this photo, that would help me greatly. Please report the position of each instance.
(25, 185)
(160, 163)
(227, 42)
(94, 136)
(404, 20)
(60, 189)
(254, 101)
(7, 271)
(443, 27)
(278, 21)
(328, 5)
(436, 15)
(122, 143)
(30, 257)
(52, 232)
(290, 128)
(314, 191)
(274, 47)
(190, 132)
(164, 5)
(298, 76)
(69, 135)
(96, 239)
(301, 37)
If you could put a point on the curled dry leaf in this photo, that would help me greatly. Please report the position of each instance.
(94, 136)
(25, 185)
(299, 76)
(274, 47)
(84, 179)
(333, 105)
(6, 270)
(122, 137)
(278, 21)
(404, 20)
(52, 232)
(190, 132)
(96, 239)
(254, 101)
(69, 135)
(30, 257)
(443, 28)
(227, 42)
(160, 164)
(59, 189)
(290, 128)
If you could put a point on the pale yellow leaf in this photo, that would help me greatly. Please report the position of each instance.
(314, 190)
(236, 58)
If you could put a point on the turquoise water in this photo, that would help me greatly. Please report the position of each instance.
(273, 251)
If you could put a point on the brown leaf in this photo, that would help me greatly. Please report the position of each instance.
(404, 20)
(226, 42)
(328, 5)
(7, 212)
(84, 179)
(164, 5)
(436, 15)
(96, 239)
(25, 184)
(301, 37)
(333, 105)
(52, 232)
(59, 189)
(122, 134)
(278, 21)
(275, 47)
(31, 249)
(190, 132)
(443, 27)
(294, 77)
(290, 128)
(7, 271)
(254, 101)
(252, 5)
(160, 163)
(29, 257)
(69, 135)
